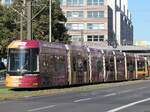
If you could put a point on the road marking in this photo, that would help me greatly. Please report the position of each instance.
(41, 108)
(80, 100)
(141, 88)
(112, 94)
(128, 105)
(126, 91)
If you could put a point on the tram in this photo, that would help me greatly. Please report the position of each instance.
(34, 63)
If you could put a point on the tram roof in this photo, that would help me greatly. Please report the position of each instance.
(124, 48)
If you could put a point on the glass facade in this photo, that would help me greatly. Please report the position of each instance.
(75, 26)
(95, 2)
(74, 2)
(74, 14)
(95, 26)
(95, 38)
(76, 37)
(95, 14)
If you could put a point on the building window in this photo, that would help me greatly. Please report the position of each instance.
(95, 2)
(76, 37)
(95, 26)
(75, 2)
(101, 38)
(89, 38)
(95, 14)
(95, 38)
(76, 26)
(74, 14)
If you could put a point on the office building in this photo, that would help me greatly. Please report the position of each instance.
(107, 21)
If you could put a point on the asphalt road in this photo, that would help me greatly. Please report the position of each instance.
(125, 98)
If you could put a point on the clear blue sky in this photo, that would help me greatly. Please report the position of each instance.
(140, 10)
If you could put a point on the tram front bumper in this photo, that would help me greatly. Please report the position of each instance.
(22, 81)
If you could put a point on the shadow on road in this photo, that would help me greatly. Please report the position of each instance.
(59, 87)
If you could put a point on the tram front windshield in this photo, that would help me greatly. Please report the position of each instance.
(23, 60)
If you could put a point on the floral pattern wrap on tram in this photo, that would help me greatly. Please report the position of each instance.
(34, 63)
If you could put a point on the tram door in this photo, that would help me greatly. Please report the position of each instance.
(110, 67)
(120, 66)
(78, 74)
(79, 67)
(97, 66)
(44, 69)
(131, 67)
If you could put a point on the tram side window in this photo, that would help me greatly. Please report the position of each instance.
(85, 65)
(74, 63)
(59, 63)
(107, 65)
(119, 61)
(141, 66)
(111, 60)
(120, 64)
(50, 64)
(33, 63)
(99, 65)
(111, 64)
(79, 64)
(130, 66)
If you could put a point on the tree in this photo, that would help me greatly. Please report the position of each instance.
(7, 28)
(41, 22)
(10, 22)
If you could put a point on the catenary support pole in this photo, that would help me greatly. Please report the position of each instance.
(50, 21)
(29, 19)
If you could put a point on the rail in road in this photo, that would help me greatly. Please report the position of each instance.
(126, 98)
